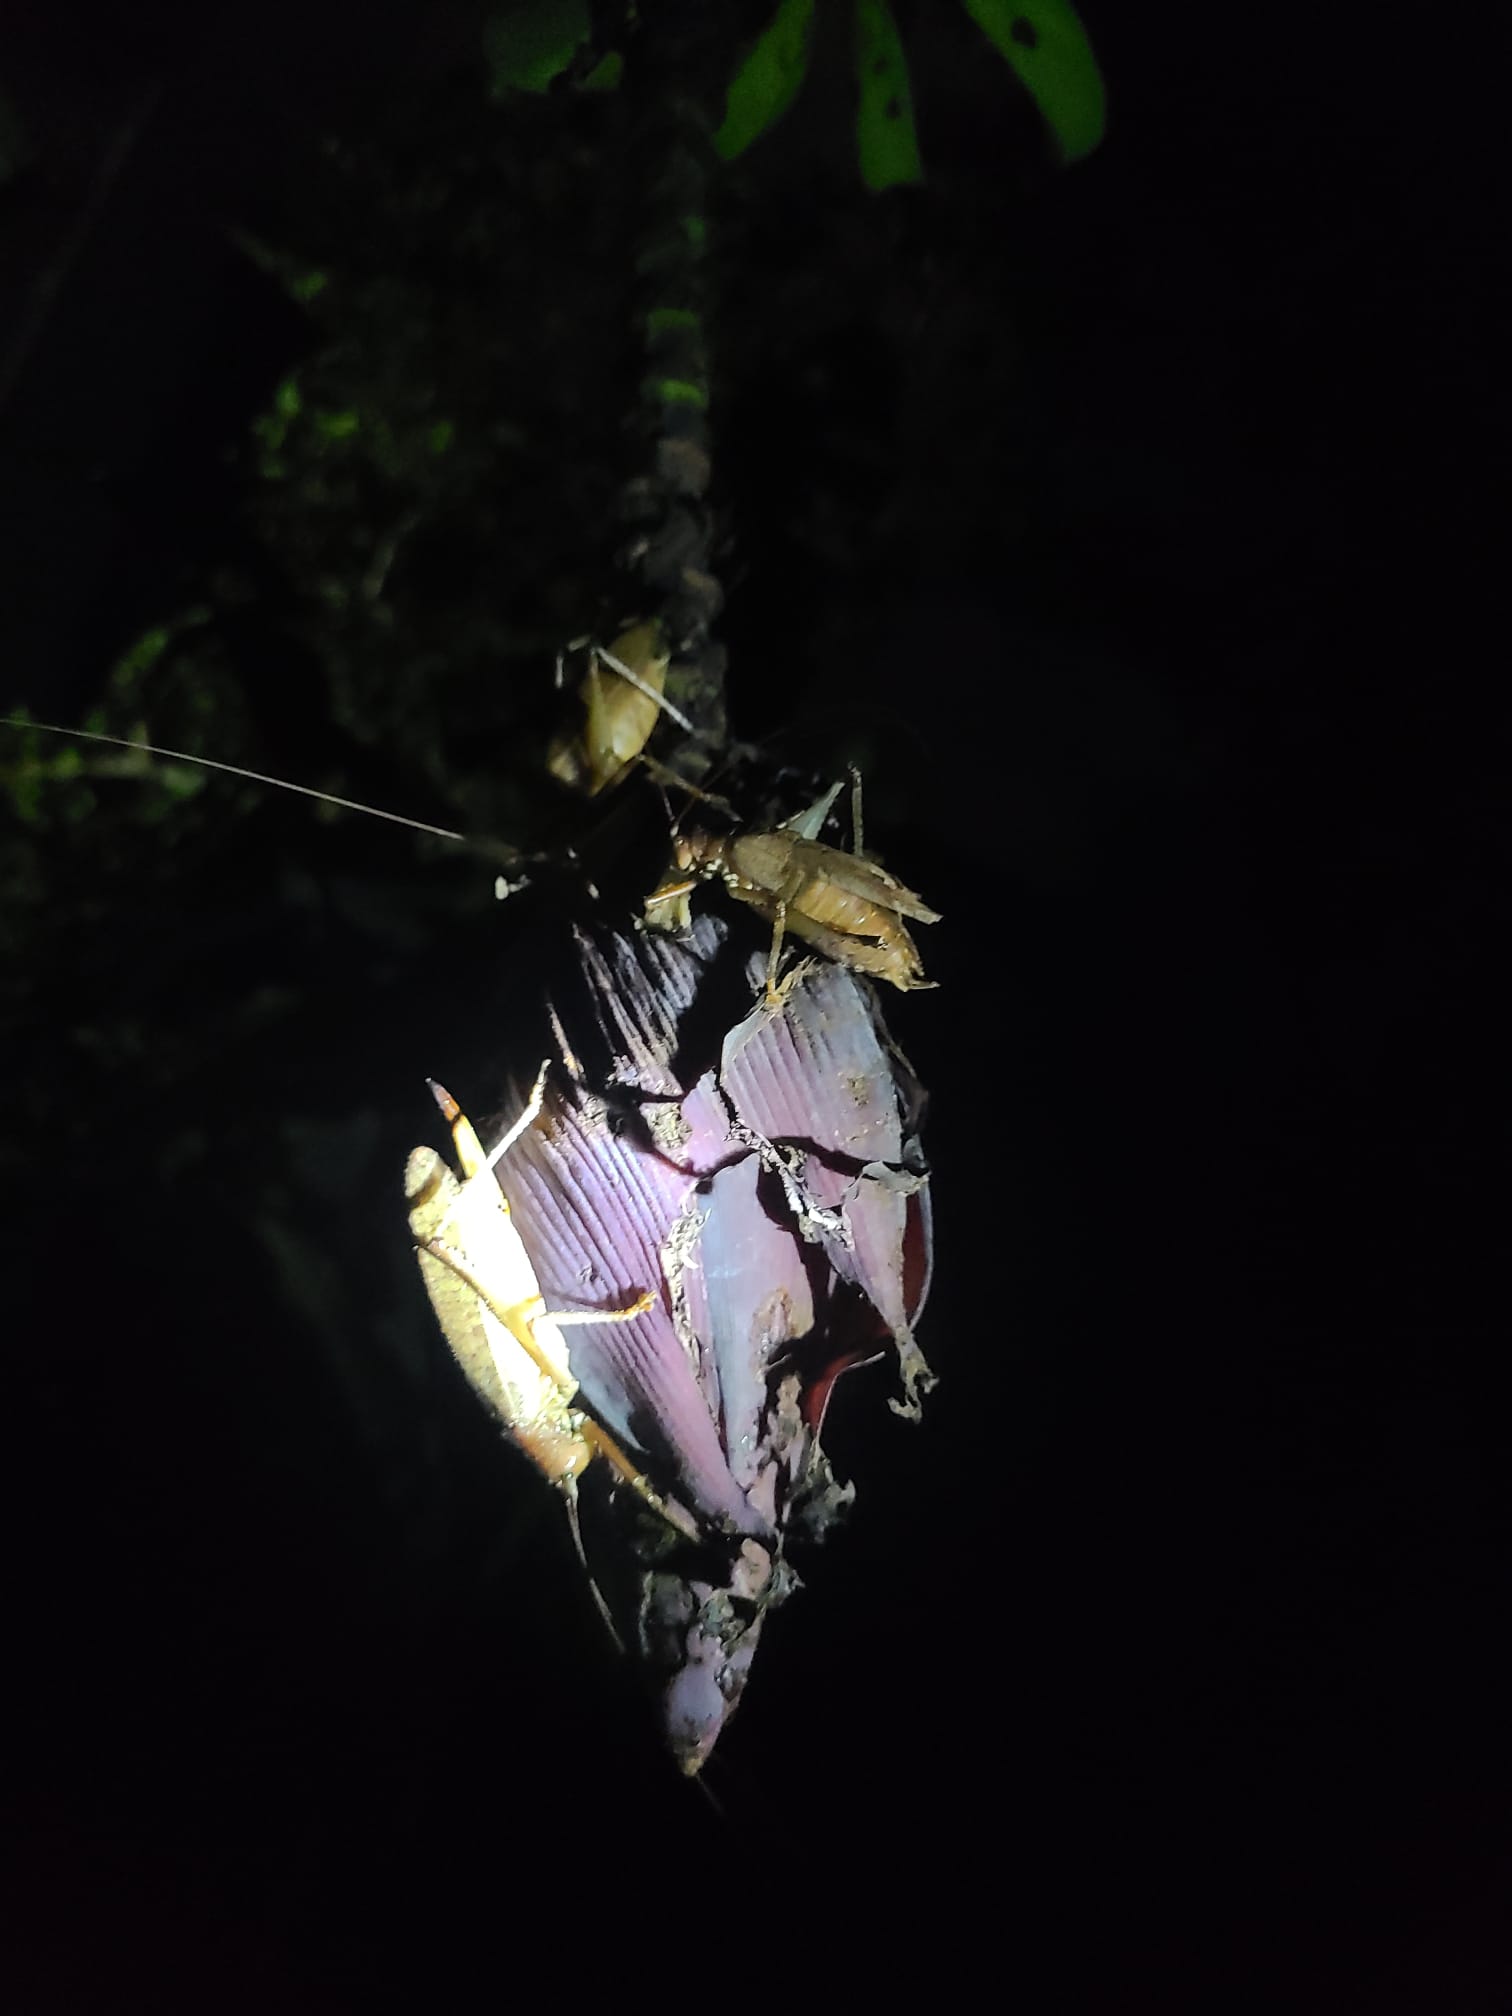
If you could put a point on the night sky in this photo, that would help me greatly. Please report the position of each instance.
(1138, 524)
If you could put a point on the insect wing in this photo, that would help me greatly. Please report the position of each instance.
(621, 702)
(866, 880)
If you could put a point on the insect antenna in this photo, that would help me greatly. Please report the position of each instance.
(666, 780)
(633, 678)
(570, 1499)
(490, 849)
(236, 770)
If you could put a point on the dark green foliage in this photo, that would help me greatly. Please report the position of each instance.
(425, 479)
(1047, 48)
(1043, 43)
(430, 498)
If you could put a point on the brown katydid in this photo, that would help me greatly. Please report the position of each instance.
(622, 695)
(844, 904)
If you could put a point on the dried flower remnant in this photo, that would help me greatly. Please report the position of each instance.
(760, 1174)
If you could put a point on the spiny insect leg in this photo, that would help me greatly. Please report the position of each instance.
(779, 928)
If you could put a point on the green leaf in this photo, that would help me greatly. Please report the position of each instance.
(528, 47)
(606, 74)
(1048, 49)
(767, 81)
(886, 142)
(146, 651)
(674, 392)
(126, 673)
(660, 321)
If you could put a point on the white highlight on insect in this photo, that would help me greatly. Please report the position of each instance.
(483, 1288)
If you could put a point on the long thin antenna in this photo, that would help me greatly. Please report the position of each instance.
(236, 770)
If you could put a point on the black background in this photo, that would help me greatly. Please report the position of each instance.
(1168, 1661)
